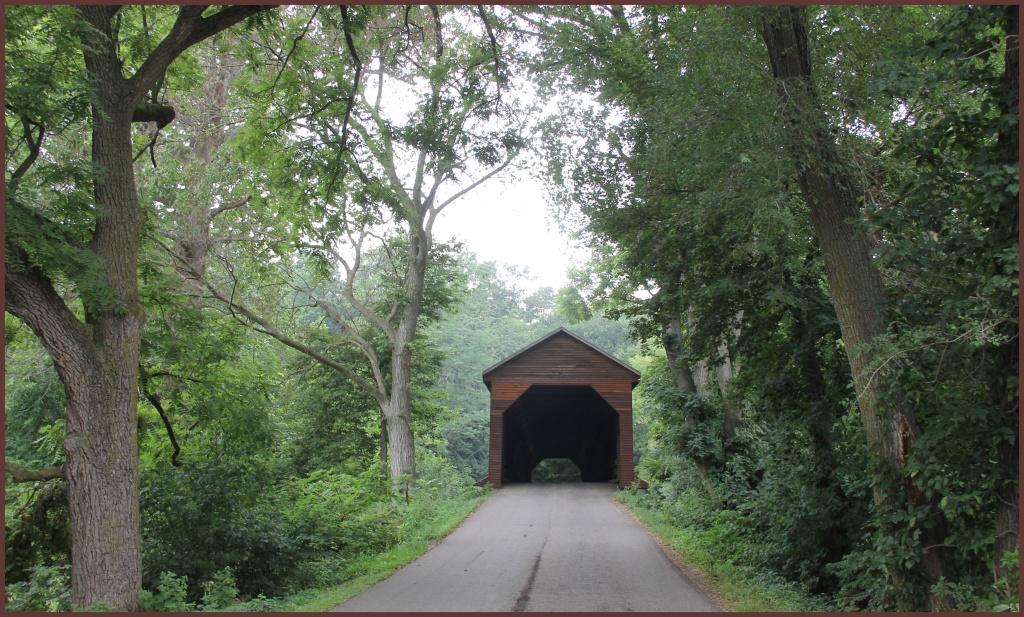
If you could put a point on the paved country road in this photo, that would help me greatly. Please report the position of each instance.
(541, 547)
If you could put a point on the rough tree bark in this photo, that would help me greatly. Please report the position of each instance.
(856, 285)
(98, 359)
(701, 373)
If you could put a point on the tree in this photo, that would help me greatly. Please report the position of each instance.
(956, 112)
(96, 352)
(366, 191)
(858, 292)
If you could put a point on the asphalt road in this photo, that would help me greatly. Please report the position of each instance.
(541, 547)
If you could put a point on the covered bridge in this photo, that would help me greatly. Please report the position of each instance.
(561, 397)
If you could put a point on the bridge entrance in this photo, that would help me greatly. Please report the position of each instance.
(560, 422)
(561, 398)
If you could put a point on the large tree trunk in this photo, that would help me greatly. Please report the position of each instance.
(402, 450)
(701, 374)
(101, 445)
(856, 286)
(681, 374)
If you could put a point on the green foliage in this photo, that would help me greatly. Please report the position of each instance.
(169, 597)
(716, 548)
(670, 174)
(212, 514)
(37, 531)
(243, 525)
(33, 401)
(555, 470)
(1008, 589)
(47, 588)
(220, 592)
(335, 424)
(339, 517)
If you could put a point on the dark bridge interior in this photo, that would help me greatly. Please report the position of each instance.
(571, 422)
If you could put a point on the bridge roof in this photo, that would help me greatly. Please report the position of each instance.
(566, 352)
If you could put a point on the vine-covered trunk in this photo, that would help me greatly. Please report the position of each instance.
(858, 293)
(726, 370)
(681, 374)
(701, 373)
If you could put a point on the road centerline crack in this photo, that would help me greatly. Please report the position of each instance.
(524, 595)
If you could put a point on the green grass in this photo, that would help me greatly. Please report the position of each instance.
(368, 570)
(738, 588)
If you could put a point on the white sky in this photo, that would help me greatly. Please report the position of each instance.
(507, 221)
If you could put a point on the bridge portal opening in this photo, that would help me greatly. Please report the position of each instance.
(555, 471)
(560, 422)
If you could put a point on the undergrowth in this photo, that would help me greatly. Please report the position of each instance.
(715, 550)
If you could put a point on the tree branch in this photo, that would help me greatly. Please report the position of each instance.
(498, 80)
(33, 149)
(190, 28)
(20, 474)
(258, 323)
(31, 297)
(295, 44)
(154, 400)
(478, 182)
(350, 44)
(229, 206)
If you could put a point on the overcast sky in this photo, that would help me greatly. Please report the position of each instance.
(509, 222)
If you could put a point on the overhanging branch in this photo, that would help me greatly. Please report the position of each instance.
(20, 474)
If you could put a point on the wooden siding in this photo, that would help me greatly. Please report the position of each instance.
(626, 473)
(561, 360)
(494, 457)
(504, 394)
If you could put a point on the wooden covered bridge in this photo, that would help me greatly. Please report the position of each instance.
(561, 397)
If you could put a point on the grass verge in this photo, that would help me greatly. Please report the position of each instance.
(736, 588)
(368, 570)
